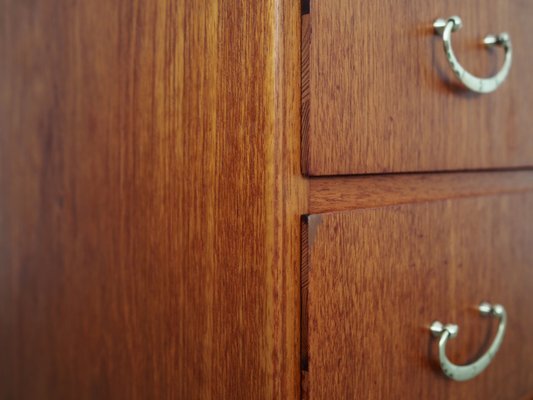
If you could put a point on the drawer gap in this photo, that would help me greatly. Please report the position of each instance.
(306, 7)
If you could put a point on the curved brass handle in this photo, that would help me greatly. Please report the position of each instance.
(449, 331)
(445, 28)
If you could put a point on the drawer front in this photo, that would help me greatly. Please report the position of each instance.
(380, 96)
(375, 279)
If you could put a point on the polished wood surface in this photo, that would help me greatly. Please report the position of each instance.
(150, 199)
(377, 278)
(381, 96)
(346, 193)
(151, 196)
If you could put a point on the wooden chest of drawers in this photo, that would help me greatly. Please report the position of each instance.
(383, 257)
(160, 239)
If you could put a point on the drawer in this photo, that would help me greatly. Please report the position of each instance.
(380, 96)
(375, 279)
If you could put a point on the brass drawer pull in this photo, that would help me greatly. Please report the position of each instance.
(449, 331)
(445, 28)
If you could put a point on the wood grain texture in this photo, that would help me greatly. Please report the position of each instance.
(306, 89)
(150, 199)
(379, 277)
(383, 98)
(345, 193)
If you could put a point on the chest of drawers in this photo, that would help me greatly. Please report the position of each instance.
(379, 95)
(265, 200)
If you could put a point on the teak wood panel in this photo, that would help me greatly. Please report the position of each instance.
(379, 96)
(343, 193)
(376, 278)
(149, 199)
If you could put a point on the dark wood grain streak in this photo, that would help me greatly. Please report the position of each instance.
(379, 277)
(306, 90)
(304, 282)
(150, 199)
(384, 99)
(345, 193)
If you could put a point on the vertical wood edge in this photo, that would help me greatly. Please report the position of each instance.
(304, 344)
(290, 199)
(304, 292)
(306, 91)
